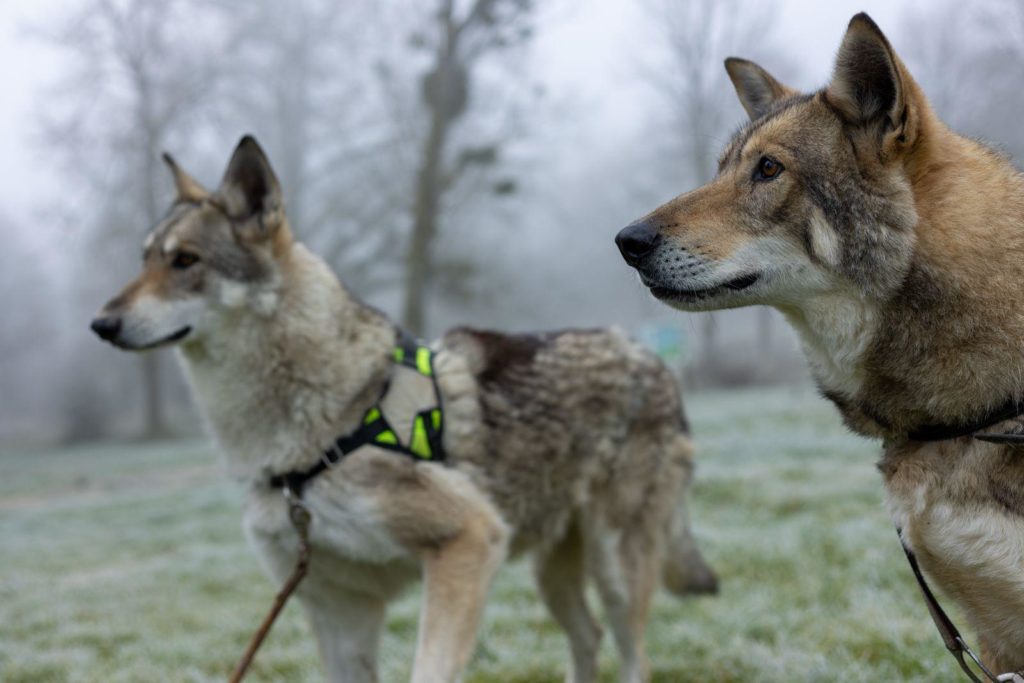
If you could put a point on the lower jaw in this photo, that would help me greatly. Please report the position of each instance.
(166, 341)
(702, 297)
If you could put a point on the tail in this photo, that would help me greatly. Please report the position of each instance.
(684, 571)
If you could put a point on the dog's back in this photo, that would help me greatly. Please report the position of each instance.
(576, 423)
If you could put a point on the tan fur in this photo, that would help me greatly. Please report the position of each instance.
(896, 249)
(567, 445)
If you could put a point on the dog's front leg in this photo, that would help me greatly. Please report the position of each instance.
(457, 575)
(347, 626)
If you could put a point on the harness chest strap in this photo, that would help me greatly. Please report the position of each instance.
(425, 440)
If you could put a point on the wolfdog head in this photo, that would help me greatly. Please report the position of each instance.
(812, 196)
(213, 255)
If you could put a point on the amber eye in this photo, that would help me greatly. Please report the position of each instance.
(183, 260)
(767, 169)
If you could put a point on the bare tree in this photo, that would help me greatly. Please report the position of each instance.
(458, 44)
(306, 77)
(366, 109)
(137, 75)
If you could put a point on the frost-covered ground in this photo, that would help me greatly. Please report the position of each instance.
(123, 563)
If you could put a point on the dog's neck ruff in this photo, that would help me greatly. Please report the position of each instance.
(407, 418)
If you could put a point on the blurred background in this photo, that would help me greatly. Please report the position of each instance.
(457, 162)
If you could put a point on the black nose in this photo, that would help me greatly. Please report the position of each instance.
(636, 241)
(107, 328)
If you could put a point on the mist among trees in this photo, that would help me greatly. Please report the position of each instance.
(421, 154)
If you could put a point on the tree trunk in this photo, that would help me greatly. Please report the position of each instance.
(418, 260)
(154, 424)
(700, 158)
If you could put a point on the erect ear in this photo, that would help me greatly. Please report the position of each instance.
(870, 85)
(188, 189)
(249, 191)
(757, 89)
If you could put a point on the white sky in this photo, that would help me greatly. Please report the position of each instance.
(585, 52)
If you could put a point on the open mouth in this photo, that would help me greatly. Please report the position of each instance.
(672, 294)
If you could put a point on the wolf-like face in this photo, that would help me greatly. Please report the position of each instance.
(810, 197)
(212, 255)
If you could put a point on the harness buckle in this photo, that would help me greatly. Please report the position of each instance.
(334, 450)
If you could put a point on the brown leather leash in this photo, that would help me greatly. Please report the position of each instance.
(300, 518)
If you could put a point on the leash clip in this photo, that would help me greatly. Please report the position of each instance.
(963, 649)
(298, 513)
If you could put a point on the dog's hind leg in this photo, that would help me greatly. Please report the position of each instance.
(347, 626)
(624, 564)
(456, 576)
(560, 578)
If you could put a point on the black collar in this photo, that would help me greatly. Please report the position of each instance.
(944, 432)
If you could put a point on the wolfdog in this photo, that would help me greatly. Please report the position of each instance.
(571, 445)
(895, 247)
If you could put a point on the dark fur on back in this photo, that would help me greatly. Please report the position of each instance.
(559, 408)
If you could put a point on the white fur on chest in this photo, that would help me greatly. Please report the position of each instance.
(836, 331)
(345, 522)
(350, 550)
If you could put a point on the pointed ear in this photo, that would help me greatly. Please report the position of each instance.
(757, 89)
(870, 86)
(249, 191)
(188, 189)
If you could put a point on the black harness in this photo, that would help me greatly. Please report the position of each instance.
(374, 430)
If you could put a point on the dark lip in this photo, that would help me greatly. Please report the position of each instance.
(735, 285)
(169, 339)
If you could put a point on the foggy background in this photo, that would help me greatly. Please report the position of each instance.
(456, 162)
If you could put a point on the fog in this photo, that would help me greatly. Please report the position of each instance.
(556, 123)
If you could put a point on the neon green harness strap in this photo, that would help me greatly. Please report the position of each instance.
(426, 443)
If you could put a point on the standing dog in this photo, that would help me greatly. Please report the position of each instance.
(896, 249)
(570, 444)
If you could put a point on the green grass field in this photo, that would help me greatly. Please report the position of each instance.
(127, 563)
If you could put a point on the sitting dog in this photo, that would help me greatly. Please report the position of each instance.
(438, 462)
(895, 247)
